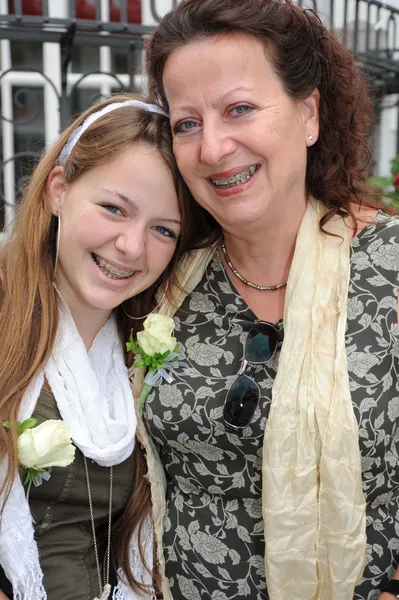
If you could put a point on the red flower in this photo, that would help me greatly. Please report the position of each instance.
(396, 182)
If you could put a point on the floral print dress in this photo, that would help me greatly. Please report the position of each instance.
(213, 538)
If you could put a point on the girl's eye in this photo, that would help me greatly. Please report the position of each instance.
(115, 210)
(242, 109)
(164, 231)
(184, 126)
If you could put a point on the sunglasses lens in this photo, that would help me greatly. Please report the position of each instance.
(241, 402)
(261, 343)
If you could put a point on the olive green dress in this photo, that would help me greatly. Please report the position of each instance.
(60, 508)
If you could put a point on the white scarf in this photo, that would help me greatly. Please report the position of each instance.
(93, 395)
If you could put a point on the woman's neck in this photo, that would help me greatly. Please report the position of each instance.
(265, 253)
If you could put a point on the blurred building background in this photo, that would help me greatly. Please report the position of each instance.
(57, 56)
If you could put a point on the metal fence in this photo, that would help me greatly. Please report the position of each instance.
(57, 56)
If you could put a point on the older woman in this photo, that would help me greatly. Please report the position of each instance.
(281, 460)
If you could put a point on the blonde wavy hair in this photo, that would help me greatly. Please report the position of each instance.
(28, 301)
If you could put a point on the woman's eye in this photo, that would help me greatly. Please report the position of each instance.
(115, 210)
(242, 109)
(184, 126)
(164, 231)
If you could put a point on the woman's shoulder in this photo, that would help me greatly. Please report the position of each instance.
(381, 228)
(375, 251)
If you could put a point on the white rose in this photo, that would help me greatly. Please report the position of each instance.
(47, 445)
(157, 335)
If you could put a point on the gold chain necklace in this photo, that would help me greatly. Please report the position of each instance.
(105, 587)
(248, 283)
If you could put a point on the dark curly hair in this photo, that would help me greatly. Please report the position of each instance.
(306, 56)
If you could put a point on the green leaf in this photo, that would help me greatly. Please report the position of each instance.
(14, 425)
(27, 424)
(139, 363)
(30, 473)
(131, 345)
(395, 166)
(144, 393)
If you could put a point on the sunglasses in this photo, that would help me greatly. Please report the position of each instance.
(242, 399)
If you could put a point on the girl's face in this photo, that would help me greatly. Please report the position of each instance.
(120, 223)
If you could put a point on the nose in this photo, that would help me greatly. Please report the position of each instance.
(216, 143)
(131, 241)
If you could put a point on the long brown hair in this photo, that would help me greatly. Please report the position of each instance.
(28, 301)
(306, 56)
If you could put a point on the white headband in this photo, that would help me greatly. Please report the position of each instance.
(75, 136)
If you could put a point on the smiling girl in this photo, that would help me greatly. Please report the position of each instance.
(100, 227)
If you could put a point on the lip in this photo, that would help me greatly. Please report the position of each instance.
(237, 189)
(232, 172)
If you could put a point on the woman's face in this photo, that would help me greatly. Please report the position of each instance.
(119, 227)
(240, 141)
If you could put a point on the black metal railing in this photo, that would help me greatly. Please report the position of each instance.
(370, 28)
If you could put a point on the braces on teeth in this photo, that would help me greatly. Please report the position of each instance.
(109, 270)
(235, 179)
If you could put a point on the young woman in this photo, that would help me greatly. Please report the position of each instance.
(100, 227)
(277, 473)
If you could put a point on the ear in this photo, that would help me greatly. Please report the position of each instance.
(56, 189)
(309, 108)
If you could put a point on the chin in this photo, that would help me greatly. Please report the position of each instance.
(104, 303)
(241, 221)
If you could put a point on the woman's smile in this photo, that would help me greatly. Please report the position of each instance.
(120, 225)
(229, 181)
(236, 132)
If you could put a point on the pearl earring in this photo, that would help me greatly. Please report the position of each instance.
(310, 137)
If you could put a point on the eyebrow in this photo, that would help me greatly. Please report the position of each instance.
(237, 89)
(221, 99)
(132, 203)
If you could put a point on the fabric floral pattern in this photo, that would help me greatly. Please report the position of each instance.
(213, 538)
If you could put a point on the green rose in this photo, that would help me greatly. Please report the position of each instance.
(157, 349)
(47, 445)
(157, 335)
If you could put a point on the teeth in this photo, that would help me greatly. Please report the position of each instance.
(111, 271)
(238, 179)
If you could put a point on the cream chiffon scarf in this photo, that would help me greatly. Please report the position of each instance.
(313, 504)
(313, 507)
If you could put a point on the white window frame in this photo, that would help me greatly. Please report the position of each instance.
(52, 69)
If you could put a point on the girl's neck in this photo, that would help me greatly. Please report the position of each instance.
(88, 323)
(88, 319)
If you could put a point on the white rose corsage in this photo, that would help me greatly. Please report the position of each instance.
(42, 447)
(158, 351)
